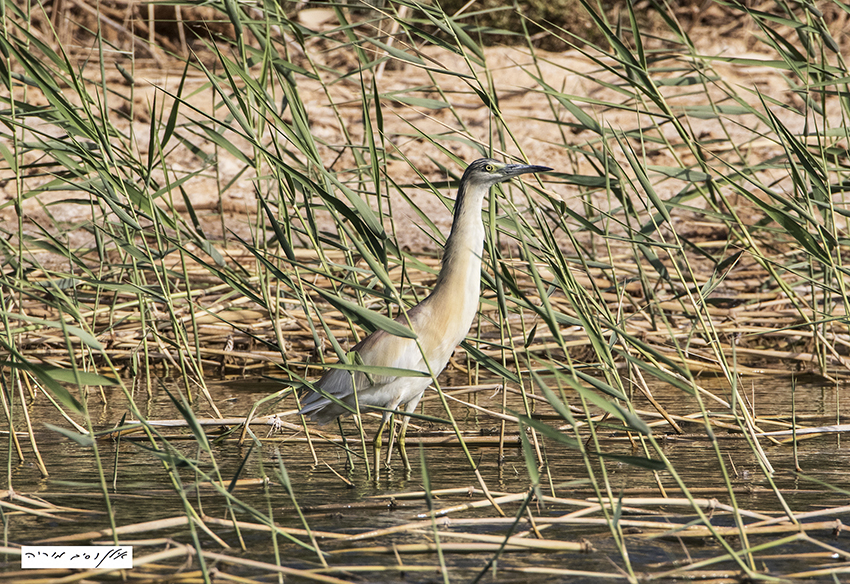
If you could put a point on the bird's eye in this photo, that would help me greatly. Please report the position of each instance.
(489, 168)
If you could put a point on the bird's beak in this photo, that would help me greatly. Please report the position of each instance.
(512, 170)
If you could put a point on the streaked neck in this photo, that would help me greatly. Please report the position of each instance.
(461, 267)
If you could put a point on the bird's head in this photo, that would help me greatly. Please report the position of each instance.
(488, 172)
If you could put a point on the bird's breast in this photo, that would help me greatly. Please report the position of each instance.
(447, 315)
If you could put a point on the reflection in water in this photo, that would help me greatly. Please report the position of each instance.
(337, 498)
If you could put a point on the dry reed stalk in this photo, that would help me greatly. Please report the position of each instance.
(11, 508)
(450, 439)
(311, 575)
(698, 531)
(647, 393)
(531, 544)
(576, 518)
(261, 527)
(803, 516)
(565, 572)
(464, 390)
(512, 498)
(809, 574)
(404, 528)
(469, 491)
(13, 496)
(145, 526)
(424, 548)
(490, 413)
(472, 491)
(707, 504)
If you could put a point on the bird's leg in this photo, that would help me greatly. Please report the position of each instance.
(400, 442)
(402, 451)
(392, 440)
(349, 465)
(376, 445)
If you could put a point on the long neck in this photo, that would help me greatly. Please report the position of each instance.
(460, 275)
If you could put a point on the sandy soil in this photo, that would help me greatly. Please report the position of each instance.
(527, 112)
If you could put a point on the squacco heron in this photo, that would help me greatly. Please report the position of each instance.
(440, 321)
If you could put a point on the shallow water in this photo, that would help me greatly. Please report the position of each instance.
(335, 498)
